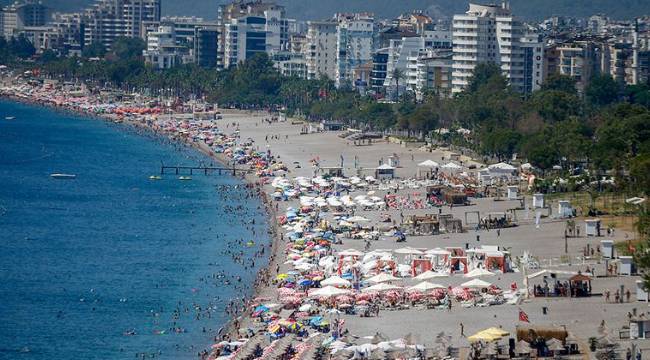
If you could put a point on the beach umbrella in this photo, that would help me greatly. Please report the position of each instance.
(357, 219)
(381, 287)
(427, 275)
(478, 272)
(328, 291)
(381, 278)
(476, 284)
(496, 331)
(483, 336)
(408, 251)
(425, 286)
(335, 281)
(350, 252)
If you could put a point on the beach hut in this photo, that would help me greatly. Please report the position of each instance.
(564, 209)
(627, 265)
(641, 292)
(538, 201)
(639, 327)
(592, 227)
(332, 171)
(607, 249)
(580, 285)
(384, 171)
(512, 192)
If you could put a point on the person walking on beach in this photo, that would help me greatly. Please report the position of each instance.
(462, 330)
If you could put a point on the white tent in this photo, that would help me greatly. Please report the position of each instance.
(478, 272)
(502, 167)
(385, 167)
(381, 278)
(357, 219)
(429, 164)
(328, 291)
(335, 281)
(425, 286)
(429, 275)
(408, 251)
(476, 284)
(450, 166)
(381, 287)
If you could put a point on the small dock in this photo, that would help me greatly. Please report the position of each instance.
(206, 170)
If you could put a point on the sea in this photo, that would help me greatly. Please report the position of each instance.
(111, 264)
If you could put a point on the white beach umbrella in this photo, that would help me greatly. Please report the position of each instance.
(476, 284)
(357, 219)
(427, 275)
(478, 272)
(380, 288)
(328, 291)
(382, 278)
(335, 281)
(425, 286)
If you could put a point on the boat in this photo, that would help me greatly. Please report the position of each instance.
(63, 176)
(9, 117)
(155, 177)
(184, 178)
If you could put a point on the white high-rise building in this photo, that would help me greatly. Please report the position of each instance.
(490, 34)
(320, 49)
(355, 44)
(247, 27)
(110, 19)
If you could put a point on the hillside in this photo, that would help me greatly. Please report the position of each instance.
(313, 9)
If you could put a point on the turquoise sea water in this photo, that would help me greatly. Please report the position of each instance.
(83, 261)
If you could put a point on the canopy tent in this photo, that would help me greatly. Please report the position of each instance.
(478, 272)
(429, 164)
(408, 251)
(476, 284)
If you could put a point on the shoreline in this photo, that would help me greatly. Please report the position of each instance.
(230, 328)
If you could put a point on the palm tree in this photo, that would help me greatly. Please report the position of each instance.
(398, 75)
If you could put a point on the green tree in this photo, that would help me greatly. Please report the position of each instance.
(602, 91)
(94, 50)
(126, 48)
(397, 75)
(558, 82)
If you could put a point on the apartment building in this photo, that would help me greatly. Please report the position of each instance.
(321, 49)
(491, 34)
(108, 20)
(354, 44)
(23, 14)
(249, 27)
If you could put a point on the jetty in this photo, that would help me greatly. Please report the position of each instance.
(206, 170)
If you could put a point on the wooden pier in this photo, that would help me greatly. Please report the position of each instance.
(206, 170)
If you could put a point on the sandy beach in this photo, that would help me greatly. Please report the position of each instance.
(298, 153)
